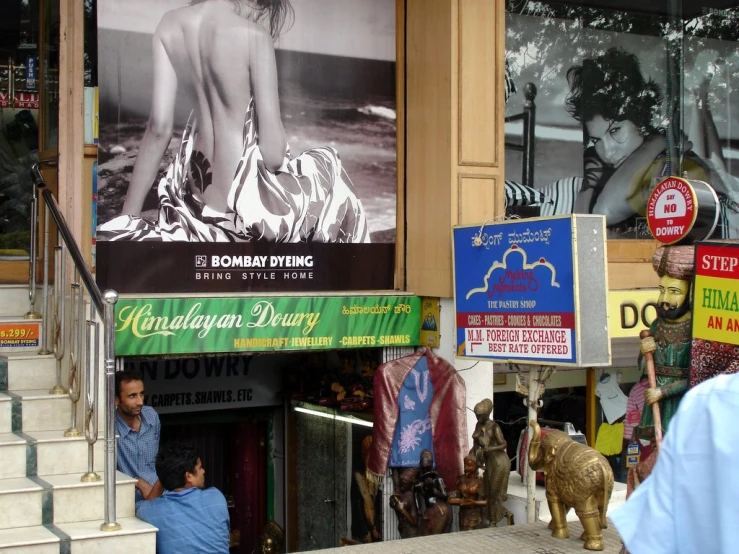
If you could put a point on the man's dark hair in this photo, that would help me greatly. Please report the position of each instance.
(174, 459)
(613, 87)
(125, 376)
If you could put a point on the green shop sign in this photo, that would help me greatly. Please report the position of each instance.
(209, 325)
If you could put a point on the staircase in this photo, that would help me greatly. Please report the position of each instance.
(44, 505)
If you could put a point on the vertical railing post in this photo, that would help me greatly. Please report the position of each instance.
(76, 350)
(33, 256)
(45, 298)
(110, 297)
(60, 311)
(92, 393)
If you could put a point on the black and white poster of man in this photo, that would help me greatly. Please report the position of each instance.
(626, 94)
(246, 145)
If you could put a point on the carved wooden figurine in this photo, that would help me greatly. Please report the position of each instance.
(431, 498)
(404, 502)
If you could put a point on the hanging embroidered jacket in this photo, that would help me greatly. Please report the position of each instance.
(445, 402)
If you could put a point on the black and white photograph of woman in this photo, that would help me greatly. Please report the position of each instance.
(605, 134)
(243, 139)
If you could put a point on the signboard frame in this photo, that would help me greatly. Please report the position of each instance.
(583, 272)
(715, 314)
(152, 326)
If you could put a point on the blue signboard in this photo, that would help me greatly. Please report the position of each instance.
(514, 289)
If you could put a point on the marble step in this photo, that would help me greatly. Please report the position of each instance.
(57, 454)
(20, 503)
(38, 539)
(46, 453)
(14, 300)
(37, 410)
(27, 371)
(80, 538)
(6, 413)
(58, 499)
(13, 456)
(134, 536)
(75, 501)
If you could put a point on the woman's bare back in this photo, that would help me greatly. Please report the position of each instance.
(212, 51)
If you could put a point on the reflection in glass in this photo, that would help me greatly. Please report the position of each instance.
(628, 93)
(19, 109)
(50, 93)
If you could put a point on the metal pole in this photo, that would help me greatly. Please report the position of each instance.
(110, 298)
(60, 321)
(529, 123)
(530, 473)
(92, 395)
(76, 351)
(33, 255)
(45, 299)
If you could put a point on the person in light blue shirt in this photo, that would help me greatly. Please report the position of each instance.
(138, 430)
(189, 518)
(689, 503)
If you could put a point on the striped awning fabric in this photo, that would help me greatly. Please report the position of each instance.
(517, 194)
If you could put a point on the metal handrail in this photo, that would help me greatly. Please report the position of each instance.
(74, 250)
(104, 305)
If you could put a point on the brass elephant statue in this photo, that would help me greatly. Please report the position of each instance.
(577, 476)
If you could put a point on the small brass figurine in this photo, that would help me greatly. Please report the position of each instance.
(576, 476)
(431, 498)
(272, 539)
(469, 496)
(489, 450)
(404, 502)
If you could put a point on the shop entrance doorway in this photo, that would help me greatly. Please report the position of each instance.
(233, 451)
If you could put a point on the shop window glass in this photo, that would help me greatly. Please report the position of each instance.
(20, 85)
(626, 93)
(50, 75)
(91, 43)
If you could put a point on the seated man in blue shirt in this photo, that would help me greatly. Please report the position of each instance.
(138, 430)
(189, 518)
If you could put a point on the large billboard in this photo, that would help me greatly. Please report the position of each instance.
(246, 131)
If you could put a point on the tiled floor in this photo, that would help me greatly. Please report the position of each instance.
(517, 539)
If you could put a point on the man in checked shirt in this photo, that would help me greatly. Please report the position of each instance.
(138, 430)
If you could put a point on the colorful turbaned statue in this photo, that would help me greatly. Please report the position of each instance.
(672, 336)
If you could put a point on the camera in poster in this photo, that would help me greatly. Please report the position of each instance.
(246, 131)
